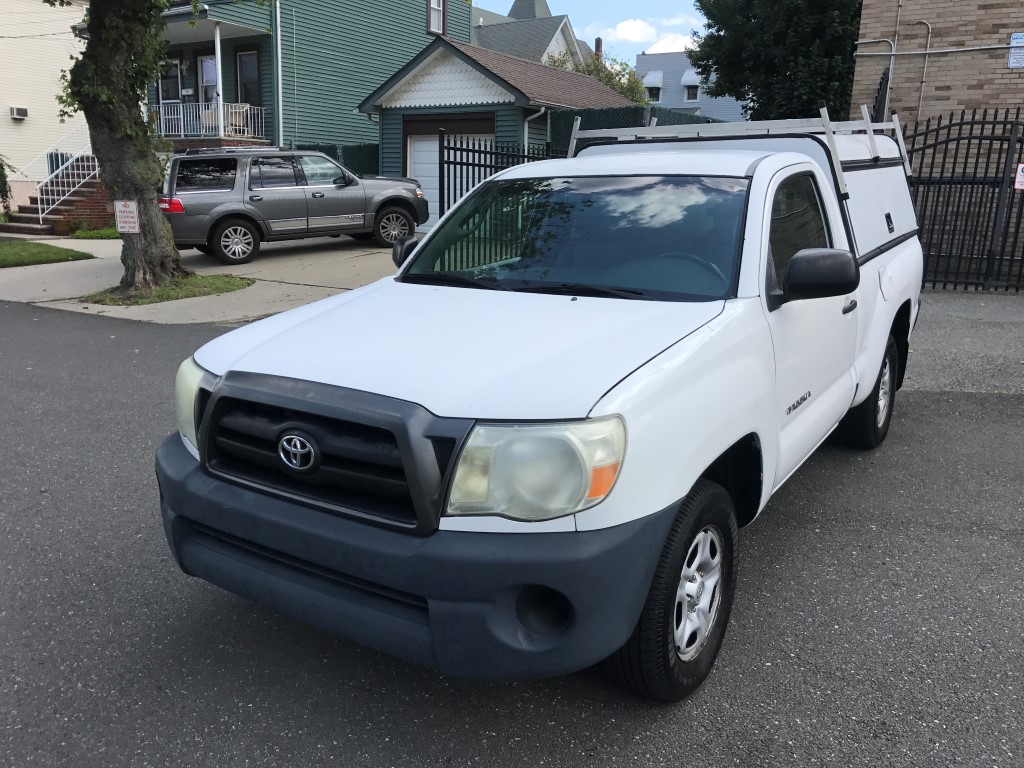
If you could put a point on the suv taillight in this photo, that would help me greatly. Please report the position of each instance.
(170, 205)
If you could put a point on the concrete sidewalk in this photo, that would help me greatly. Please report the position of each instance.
(287, 275)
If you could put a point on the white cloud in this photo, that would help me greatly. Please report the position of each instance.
(669, 43)
(630, 31)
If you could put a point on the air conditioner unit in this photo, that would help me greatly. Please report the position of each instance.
(19, 113)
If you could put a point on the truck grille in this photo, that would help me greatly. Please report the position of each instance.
(360, 468)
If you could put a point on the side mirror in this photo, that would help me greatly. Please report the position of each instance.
(816, 273)
(401, 250)
(343, 181)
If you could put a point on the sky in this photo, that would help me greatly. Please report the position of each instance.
(628, 27)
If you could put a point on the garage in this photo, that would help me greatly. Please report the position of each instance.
(422, 154)
(475, 94)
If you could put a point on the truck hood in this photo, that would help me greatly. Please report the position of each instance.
(463, 352)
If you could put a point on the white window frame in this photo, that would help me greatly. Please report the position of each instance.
(435, 16)
(686, 93)
(651, 98)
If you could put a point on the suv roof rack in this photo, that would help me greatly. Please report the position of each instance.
(228, 150)
(822, 125)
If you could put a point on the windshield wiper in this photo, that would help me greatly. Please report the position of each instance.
(585, 289)
(450, 278)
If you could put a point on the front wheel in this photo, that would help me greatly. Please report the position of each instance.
(390, 224)
(867, 424)
(683, 622)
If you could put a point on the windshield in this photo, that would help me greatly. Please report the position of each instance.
(673, 238)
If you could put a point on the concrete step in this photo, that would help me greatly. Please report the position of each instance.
(30, 218)
(66, 204)
(26, 229)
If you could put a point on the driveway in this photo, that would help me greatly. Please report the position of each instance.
(878, 620)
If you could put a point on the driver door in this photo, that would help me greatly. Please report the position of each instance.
(330, 206)
(814, 339)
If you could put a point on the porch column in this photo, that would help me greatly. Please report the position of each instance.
(220, 85)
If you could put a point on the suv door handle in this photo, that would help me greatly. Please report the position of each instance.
(852, 305)
(318, 194)
(255, 198)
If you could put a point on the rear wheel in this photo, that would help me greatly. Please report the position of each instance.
(683, 622)
(235, 241)
(867, 424)
(390, 224)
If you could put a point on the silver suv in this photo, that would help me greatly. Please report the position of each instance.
(226, 202)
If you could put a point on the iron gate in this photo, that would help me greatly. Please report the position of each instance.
(970, 216)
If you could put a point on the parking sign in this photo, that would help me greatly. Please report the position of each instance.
(126, 214)
(1018, 183)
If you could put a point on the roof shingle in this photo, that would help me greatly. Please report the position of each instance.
(547, 86)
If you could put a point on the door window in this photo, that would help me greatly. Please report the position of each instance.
(208, 80)
(269, 172)
(798, 222)
(320, 172)
(249, 91)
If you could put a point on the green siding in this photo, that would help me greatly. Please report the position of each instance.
(334, 57)
(248, 14)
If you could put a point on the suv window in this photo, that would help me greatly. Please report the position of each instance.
(798, 222)
(206, 174)
(268, 172)
(320, 172)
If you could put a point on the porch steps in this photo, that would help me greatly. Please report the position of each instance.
(26, 229)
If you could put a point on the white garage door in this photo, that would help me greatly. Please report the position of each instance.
(422, 153)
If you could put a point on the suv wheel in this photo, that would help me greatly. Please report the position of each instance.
(391, 224)
(235, 241)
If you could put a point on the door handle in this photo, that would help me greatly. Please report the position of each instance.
(318, 194)
(852, 305)
(255, 198)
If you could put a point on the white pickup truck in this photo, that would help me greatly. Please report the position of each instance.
(529, 451)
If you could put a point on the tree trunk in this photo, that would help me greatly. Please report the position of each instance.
(108, 83)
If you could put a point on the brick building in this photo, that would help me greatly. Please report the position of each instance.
(954, 79)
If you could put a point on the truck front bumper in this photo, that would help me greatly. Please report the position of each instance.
(469, 604)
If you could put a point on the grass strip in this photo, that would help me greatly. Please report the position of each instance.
(25, 253)
(186, 287)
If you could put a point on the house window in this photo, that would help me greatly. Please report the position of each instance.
(249, 90)
(435, 17)
(654, 94)
(170, 82)
(692, 92)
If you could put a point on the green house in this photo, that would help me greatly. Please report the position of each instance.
(287, 72)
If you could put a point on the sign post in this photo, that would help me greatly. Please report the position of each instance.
(126, 214)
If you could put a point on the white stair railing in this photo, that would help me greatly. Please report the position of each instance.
(62, 169)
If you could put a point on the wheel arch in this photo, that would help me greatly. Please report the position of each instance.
(740, 470)
(901, 333)
(396, 202)
(247, 217)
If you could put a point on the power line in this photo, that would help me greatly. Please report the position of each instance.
(41, 34)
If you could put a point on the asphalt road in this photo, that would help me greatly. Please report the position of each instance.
(879, 618)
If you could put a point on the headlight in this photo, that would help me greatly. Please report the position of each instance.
(419, 192)
(537, 472)
(186, 387)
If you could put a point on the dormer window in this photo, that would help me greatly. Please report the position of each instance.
(435, 16)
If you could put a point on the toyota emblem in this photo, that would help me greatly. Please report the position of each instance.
(298, 452)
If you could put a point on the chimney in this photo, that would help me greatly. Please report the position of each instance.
(599, 49)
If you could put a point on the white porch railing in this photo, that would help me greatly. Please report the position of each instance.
(185, 121)
(61, 169)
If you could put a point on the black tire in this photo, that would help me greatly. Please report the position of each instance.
(235, 241)
(650, 663)
(362, 236)
(865, 426)
(204, 249)
(392, 223)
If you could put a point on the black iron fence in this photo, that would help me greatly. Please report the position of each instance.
(465, 161)
(971, 217)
